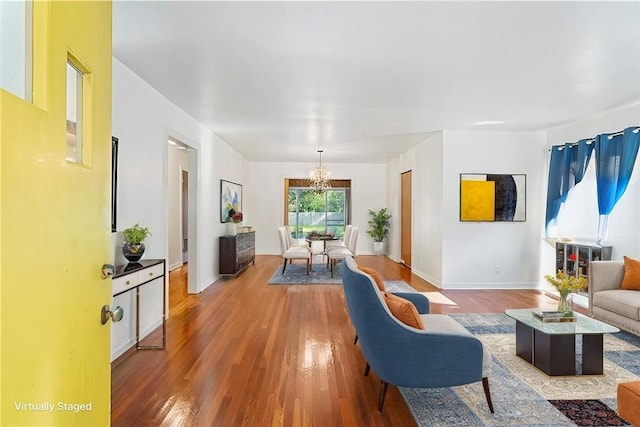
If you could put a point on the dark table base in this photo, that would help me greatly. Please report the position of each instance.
(556, 354)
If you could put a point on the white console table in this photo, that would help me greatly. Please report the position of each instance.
(133, 276)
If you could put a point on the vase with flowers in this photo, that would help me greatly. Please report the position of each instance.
(237, 217)
(566, 284)
(237, 221)
(234, 224)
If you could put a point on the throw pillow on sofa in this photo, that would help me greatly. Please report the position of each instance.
(631, 279)
(403, 310)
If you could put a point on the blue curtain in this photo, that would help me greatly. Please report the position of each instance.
(567, 168)
(580, 154)
(615, 158)
(558, 183)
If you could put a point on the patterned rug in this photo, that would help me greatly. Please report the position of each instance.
(296, 274)
(522, 394)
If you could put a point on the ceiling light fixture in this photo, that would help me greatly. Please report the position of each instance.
(320, 178)
(489, 122)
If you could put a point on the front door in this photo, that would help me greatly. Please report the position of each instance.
(406, 203)
(55, 224)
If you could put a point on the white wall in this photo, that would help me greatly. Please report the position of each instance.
(578, 219)
(425, 163)
(266, 198)
(473, 250)
(143, 121)
(456, 255)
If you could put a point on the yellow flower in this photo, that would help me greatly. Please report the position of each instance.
(566, 284)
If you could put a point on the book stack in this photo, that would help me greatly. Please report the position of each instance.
(553, 316)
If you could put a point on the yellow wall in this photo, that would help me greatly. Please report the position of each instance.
(55, 230)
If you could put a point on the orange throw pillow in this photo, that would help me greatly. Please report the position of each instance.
(375, 276)
(631, 279)
(403, 310)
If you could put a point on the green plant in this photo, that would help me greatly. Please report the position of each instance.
(135, 235)
(379, 224)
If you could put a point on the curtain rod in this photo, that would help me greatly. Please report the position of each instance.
(590, 140)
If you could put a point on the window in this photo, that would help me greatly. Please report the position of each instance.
(308, 211)
(16, 47)
(74, 113)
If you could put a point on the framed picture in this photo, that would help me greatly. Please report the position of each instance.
(114, 182)
(230, 198)
(493, 197)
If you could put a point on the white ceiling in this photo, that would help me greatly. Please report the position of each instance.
(366, 80)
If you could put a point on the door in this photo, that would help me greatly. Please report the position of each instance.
(406, 218)
(185, 216)
(308, 211)
(55, 226)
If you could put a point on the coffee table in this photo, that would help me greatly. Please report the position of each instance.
(551, 346)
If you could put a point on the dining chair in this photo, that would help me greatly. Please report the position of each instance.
(339, 254)
(289, 253)
(332, 244)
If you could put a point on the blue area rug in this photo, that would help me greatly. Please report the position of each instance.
(296, 274)
(523, 395)
(398, 286)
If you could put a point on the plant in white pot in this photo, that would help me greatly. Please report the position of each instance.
(133, 248)
(379, 223)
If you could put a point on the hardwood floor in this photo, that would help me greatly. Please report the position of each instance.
(244, 353)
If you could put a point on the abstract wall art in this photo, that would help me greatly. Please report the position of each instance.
(230, 198)
(493, 197)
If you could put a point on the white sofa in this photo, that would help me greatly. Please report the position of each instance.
(609, 303)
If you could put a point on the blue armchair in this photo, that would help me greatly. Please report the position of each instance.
(445, 354)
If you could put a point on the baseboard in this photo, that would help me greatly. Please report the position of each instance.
(123, 349)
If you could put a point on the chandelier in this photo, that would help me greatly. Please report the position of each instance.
(320, 178)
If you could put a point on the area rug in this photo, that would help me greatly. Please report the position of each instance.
(296, 274)
(523, 395)
(398, 286)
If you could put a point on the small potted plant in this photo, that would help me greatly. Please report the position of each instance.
(133, 237)
(379, 223)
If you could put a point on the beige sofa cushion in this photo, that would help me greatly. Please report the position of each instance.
(624, 302)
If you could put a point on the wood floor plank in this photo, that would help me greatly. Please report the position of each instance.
(245, 353)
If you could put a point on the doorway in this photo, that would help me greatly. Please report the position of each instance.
(185, 216)
(182, 165)
(405, 217)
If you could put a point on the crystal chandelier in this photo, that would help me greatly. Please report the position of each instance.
(320, 178)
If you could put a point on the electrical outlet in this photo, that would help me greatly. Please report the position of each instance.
(497, 269)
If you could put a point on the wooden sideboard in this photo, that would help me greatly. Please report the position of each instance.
(236, 253)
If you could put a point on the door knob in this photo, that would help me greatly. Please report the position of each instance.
(115, 315)
(108, 270)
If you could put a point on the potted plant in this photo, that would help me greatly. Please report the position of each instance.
(379, 223)
(133, 237)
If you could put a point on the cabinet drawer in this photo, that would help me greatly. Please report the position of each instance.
(150, 273)
(123, 283)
